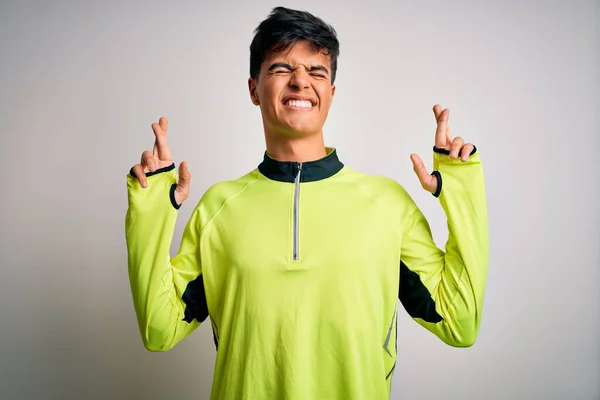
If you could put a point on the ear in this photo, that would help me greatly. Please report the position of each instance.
(253, 93)
(332, 92)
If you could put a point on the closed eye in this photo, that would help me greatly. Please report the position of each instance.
(280, 68)
(316, 71)
(319, 71)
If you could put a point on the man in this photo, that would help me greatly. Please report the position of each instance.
(299, 264)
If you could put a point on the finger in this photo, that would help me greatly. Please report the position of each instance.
(437, 110)
(466, 152)
(183, 185)
(163, 122)
(421, 171)
(148, 161)
(138, 170)
(457, 145)
(441, 133)
(161, 145)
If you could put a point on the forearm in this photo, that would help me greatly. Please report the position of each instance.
(455, 279)
(462, 282)
(150, 223)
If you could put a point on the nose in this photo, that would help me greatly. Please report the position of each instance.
(300, 79)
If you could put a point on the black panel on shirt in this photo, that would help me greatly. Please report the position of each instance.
(415, 297)
(194, 298)
(196, 307)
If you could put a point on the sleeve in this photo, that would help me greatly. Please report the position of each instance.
(444, 291)
(168, 294)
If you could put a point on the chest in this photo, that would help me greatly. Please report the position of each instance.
(304, 226)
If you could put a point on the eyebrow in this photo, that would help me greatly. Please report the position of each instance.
(288, 66)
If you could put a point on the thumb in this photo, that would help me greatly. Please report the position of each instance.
(183, 185)
(424, 177)
(419, 168)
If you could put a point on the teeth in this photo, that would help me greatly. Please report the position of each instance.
(299, 103)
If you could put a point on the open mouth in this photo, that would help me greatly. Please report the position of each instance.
(299, 104)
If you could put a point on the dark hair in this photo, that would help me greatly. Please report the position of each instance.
(285, 27)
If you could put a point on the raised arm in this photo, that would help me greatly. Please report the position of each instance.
(444, 290)
(168, 294)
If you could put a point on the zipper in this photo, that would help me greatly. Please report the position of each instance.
(296, 211)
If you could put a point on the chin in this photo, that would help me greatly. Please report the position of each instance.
(300, 128)
(301, 131)
(293, 127)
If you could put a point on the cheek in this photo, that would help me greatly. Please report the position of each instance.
(325, 98)
(272, 89)
(266, 98)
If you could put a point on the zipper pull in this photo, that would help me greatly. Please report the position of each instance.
(298, 171)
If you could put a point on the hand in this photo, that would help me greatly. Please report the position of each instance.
(160, 157)
(443, 140)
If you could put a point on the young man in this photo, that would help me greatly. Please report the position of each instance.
(300, 263)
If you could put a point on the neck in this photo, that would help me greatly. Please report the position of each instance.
(298, 149)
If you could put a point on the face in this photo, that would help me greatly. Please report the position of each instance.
(294, 90)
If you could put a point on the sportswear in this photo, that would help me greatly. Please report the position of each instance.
(299, 268)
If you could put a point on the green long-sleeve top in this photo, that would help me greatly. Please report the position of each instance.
(299, 268)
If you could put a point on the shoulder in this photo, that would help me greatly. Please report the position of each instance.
(226, 189)
(379, 187)
(220, 193)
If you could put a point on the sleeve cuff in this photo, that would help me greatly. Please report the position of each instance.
(172, 196)
(437, 174)
(158, 171)
(438, 190)
(447, 152)
(161, 183)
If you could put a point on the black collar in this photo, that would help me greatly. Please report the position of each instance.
(286, 171)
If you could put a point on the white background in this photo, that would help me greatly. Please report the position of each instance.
(81, 82)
